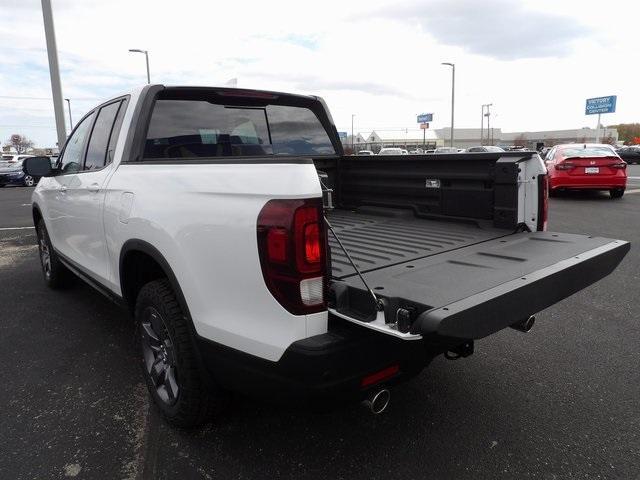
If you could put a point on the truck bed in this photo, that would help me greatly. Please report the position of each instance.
(381, 237)
(462, 279)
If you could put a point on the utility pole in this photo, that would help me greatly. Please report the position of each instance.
(487, 105)
(488, 115)
(353, 151)
(54, 72)
(482, 127)
(70, 119)
(453, 94)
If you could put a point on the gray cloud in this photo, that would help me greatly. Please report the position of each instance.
(501, 29)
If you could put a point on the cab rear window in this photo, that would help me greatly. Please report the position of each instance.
(193, 128)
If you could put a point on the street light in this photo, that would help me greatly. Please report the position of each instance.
(146, 56)
(54, 72)
(453, 93)
(482, 124)
(70, 120)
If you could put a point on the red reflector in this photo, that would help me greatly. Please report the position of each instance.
(277, 245)
(378, 377)
(312, 243)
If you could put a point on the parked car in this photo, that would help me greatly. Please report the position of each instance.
(390, 151)
(11, 172)
(630, 154)
(446, 150)
(365, 152)
(586, 166)
(405, 152)
(239, 282)
(485, 148)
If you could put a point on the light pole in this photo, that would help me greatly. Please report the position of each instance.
(70, 120)
(146, 56)
(54, 72)
(353, 151)
(487, 105)
(453, 94)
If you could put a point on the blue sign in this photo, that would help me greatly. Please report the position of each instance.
(600, 105)
(342, 135)
(425, 118)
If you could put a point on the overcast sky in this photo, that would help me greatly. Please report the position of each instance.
(536, 61)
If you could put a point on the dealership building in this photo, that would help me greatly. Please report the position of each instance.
(412, 139)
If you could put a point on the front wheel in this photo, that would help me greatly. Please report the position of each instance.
(616, 192)
(170, 366)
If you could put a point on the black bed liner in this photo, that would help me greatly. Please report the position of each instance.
(462, 280)
(380, 237)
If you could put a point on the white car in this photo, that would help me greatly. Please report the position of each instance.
(255, 256)
(365, 152)
(390, 151)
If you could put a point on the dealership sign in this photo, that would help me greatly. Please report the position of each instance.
(342, 135)
(600, 105)
(425, 118)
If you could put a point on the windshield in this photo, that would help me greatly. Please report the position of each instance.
(587, 152)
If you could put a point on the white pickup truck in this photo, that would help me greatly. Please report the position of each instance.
(256, 257)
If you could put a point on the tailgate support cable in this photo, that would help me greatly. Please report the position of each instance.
(377, 302)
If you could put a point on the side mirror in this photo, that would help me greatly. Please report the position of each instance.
(37, 166)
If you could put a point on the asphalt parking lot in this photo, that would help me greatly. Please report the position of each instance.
(560, 402)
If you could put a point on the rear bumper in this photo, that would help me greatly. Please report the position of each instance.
(322, 370)
(593, 182)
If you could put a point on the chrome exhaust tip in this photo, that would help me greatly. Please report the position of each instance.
(378, 401)
(526, 325)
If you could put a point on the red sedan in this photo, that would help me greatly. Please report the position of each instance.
(586, 166)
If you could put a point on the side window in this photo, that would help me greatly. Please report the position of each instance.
(72, 156)
(97, 146)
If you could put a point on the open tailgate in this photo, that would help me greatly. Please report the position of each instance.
(477, 290)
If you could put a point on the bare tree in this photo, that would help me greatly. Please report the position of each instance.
(20, 143)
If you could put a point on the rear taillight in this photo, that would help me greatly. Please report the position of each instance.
(292, 249)
(621, 165)
(543, 202)
(565, 166)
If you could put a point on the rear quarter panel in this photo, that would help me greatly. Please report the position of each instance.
(202, 218)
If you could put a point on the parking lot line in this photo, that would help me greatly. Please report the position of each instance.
(14, 228)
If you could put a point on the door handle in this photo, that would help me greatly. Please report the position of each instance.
(94, 187)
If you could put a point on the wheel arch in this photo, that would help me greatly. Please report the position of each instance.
(36, 213)
(136, 250)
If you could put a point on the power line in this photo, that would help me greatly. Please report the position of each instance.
(12, 97)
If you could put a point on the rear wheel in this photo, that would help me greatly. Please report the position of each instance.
(56, 275)
(170, 366)
(616, 192)
(29, 181)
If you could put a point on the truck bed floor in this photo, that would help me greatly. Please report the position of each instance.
(377, 238)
